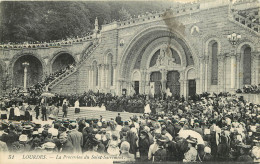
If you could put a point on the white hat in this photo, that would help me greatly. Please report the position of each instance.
(35, 133)
(207, 150)
(98, 137)
(23, 137)
(40, 130)
(49, 145)
(99, 124)
(55, 132)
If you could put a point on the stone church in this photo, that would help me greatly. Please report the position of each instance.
(207, 46)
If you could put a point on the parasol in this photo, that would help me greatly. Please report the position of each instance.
(47, 94)
(187, 133)
(17, 99)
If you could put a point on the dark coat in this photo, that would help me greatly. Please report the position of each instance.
(66, 147)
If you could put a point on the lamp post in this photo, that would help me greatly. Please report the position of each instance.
(25, 64)
(234, 38)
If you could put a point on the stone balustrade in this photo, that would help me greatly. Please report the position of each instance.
(89, 51)
(56, 44)
(246, 22)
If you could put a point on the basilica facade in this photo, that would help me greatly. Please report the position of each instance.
(208, 46)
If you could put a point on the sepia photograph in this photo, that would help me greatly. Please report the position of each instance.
(113, 81)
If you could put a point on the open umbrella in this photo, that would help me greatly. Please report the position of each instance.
(17, 99)
(187, 133)
(47, 94)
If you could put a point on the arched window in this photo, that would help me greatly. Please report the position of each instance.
(213, 49)
(247, 66)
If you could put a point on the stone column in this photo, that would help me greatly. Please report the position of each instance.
(103, 77)
(115, 73)
(206, 73)
(221, 72)
(99, 76)
(142, 82)
(238, 74)
(92, 79)
(25, 64)
(88, 76)
(107, 77)
(182, 85)
(255, 68)
(233, 70)
(201, 74)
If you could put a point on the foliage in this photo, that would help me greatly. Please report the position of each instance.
(34, 21)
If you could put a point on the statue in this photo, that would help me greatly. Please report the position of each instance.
(165, 57)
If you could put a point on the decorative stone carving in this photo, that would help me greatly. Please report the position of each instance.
(165, 58)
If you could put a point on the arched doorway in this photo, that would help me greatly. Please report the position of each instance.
(34, 71)
(62, 61)
(156, 78)
(173, 83)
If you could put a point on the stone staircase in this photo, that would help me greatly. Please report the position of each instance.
(68, 73)
(242, 15)
(94, 112)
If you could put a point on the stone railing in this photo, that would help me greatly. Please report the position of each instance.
(56, 44)
(63, 76)
(187, 8)
(245, 22)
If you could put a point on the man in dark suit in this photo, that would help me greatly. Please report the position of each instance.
(37, 111)
(44, 113)
(119, 119)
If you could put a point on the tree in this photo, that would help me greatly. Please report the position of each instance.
(124, 14)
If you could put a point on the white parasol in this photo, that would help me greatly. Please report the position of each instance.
(187, 133)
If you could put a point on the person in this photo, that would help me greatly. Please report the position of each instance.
(124, 148)
(37, 111)
(191, 154)
(77, 109)
(3, 147)
(3, 113)
(244, 153)
(76, 138)
(66, 145)
(17, 114)
(64, 109)
(11, 113)
(113, 148)
(160, 153)
(118, 119)
(44, 113)
(207, 157)
(144, 145)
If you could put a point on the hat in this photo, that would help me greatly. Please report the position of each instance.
(242, 145)
(207, 150)
(191, 139)
(40, 130)
(125, 146)
(162, 138)
(35, 133)
(49, 145)
(23, 138)
(98, 137)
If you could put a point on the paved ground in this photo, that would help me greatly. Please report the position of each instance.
(87, 113)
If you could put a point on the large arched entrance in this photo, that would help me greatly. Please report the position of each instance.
(162, 56)
(34, 71)
(62, 61)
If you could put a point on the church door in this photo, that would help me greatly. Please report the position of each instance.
(156, 77)
(173, 82)
(136, 87)
(192, 87)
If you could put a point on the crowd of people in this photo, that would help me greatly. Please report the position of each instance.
(209, 128)
(250, 89)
